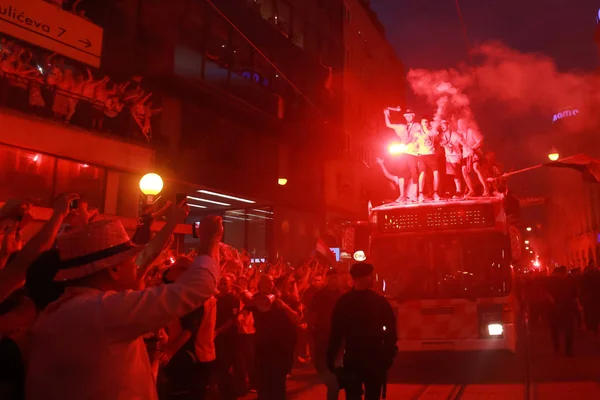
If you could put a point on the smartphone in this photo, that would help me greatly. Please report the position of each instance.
(180, 197)
(195, 227)
(74, 204)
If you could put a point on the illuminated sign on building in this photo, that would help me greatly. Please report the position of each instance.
(49, 26)
(598, 17)
(564, 114)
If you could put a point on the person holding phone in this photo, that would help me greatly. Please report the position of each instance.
(143, 232)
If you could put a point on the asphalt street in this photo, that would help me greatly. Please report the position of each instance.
(535, 372)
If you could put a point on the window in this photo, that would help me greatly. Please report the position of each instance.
(283, 17)
(311, 39)
(346, 12)
(298, 28)
(263, 72)
(218, 53)
(192, 26)
(87, 180)
(264, 7)
(218, 48)
(242, 56)
(25, 174)
(347, 141)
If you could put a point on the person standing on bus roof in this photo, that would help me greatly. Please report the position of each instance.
(428, 160)
(407, 133)
(451, 142)
(472, 143)
(365, 322)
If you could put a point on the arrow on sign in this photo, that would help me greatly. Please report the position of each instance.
(86, 42)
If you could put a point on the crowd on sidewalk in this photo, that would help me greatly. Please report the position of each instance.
(85, 312)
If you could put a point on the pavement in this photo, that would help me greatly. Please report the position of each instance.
(535, 372)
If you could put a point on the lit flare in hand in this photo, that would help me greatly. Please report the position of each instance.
(397, 148)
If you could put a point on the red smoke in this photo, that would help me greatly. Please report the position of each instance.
(518, 83)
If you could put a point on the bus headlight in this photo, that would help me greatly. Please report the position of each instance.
(495, 329)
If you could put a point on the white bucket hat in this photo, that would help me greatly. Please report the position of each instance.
(92, 248)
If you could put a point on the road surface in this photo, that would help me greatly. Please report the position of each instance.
(534, 373)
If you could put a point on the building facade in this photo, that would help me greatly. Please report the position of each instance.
(573, 206)
(245, 101)
(371, 79)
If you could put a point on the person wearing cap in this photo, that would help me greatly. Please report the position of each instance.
(405, 166)
(365, 322)
(451, 142)
(428, 161)
(89, 343)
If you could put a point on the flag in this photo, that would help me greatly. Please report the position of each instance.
(588, 166)
(325, 253)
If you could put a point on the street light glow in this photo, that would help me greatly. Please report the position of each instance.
(527, 242)
(553, 156)
(528, 229)
(151, 184)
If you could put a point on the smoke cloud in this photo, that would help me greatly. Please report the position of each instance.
(515, 84)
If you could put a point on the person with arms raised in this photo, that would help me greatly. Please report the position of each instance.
(89, 343)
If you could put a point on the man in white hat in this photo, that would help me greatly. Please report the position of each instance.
(88, 344)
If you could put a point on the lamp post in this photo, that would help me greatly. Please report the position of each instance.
(553, 156)
(151, 185)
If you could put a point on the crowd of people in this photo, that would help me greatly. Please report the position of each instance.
(439, 148)
(565, 300)
(85, 312)
(47, 85)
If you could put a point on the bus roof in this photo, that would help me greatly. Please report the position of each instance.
(443, 203)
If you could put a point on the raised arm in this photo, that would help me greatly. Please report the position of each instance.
(13, 276)
(162, 211)
(388, 123)
(131, 314)
(157, 243)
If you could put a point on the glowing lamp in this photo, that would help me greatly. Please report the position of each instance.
(527, 242)
(359, 256)
(282, 181)
(151, 185)
(536, 263)
(528, 229)
(553, 156)
(397, 148)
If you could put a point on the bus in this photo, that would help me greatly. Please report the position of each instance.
(446, 268)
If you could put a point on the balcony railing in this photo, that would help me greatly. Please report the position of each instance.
(114, 115)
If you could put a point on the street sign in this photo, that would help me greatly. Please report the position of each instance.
(49, 26)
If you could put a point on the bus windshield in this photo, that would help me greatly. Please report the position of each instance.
(450, 265)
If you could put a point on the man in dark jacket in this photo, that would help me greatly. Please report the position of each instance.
(366, 322)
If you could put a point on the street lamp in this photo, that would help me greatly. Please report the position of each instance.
(151, 185)
(527, 242)
(282, 181)
(553, 156)
(528, 229)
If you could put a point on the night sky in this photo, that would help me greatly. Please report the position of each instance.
(428, 34)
